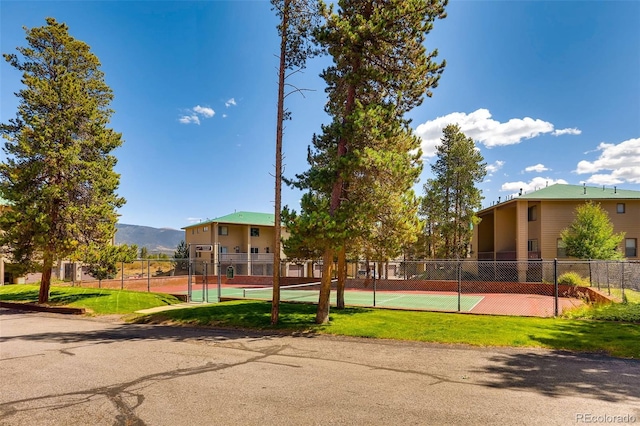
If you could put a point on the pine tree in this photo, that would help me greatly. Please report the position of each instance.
(451, 198)
(181, 256)
(297, 20)
(590, 235)
(58, 175)
(365, 161)
(102, 261)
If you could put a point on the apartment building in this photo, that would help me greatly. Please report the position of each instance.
(528, 226)
(242, 240)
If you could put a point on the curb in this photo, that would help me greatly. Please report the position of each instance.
(43, 308)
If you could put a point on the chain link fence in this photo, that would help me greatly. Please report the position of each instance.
(529, 288)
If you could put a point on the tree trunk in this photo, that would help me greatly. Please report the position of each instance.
(342, 276)
(275, 300)
(45, 281)
(322, 315)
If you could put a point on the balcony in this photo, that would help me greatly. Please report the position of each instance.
(506, 255)
(245, 257)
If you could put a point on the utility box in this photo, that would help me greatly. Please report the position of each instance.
(230, 272)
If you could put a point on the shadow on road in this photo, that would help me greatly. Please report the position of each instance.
(559, 373)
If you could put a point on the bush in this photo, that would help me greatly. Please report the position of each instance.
(572, 278)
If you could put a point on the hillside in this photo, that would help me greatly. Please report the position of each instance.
(156, 240)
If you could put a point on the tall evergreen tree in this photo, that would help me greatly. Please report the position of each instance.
(297, 20)
(365, 161)
(58, 175)
(451, 198)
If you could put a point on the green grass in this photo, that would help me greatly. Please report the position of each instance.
(625, 312)
(95, 300)
(614, 338)
(631, 295)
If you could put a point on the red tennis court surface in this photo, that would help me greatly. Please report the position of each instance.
(491, 303)
(495, 303)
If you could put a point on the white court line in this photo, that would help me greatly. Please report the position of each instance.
(393, 298)
(476, 304)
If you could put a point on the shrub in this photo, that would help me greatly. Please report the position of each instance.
(572, 278)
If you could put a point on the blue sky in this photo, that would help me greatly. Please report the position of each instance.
(550, 92)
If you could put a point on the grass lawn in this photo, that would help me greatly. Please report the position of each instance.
(95, 300)
(628, 312)
(615, 338)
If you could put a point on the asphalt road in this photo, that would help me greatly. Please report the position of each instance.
(63, 370)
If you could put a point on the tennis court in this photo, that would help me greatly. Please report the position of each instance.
(310, 292)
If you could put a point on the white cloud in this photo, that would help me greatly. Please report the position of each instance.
(482, 128)
(194, 219)
(230, 102)
(622, 160)
(193, 115)
(567, 131)
(188, 119)
(538, 168)
(224, 115)
(204, 111)
(492, 168)
(600, 179)
(533, 185)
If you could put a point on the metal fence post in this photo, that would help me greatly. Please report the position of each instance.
(555, 286)
(459, 276)
(205, 284)
(374, 283)
(189, 272)
(624, 299)
(122, 276)
(219, 266)
(608, 285)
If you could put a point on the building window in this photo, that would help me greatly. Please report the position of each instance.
(193, 231)
(561, 248)
(532, 213)
(223, 250)
(254, 250)
(532, 245)
(266, 249)
(198, 254)
(255, 232)
(631, 247)
(620, 208)
(223, 230)
(205, 229)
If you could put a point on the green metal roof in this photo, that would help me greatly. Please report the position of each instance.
(242, 218)
(580, 192)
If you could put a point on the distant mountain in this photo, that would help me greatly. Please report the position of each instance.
(156, 240)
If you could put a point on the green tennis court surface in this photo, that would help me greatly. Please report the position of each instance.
(390, 299)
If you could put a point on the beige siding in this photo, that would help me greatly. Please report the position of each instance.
(237, 238)
(505, 232)
(534, 225)
(484, 238)
(264, 240)
(558, 215)
(522, 229)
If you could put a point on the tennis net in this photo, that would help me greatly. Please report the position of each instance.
(289, 292)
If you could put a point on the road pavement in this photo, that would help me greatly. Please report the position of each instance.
(69, 370)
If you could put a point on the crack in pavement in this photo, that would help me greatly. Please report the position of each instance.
(119, 394)
(115, 393)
